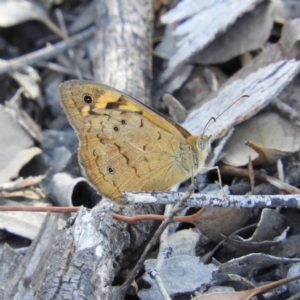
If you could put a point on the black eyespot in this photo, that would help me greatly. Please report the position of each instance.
(123, 122)
(116, 128)
(88, 99)
(110, 169)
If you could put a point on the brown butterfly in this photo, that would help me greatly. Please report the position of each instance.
(126, 145)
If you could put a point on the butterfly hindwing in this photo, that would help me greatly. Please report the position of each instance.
(125, 151)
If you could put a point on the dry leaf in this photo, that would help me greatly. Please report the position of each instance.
(293, 8)
(167, 47)
(244, 265)
(13, 12)
(25, 224)
(207, 15)
(17, 161)
(202, 82)
(21, 183)
(271, 230)
(281, 11)
(173, 84)
(21, 116)
(183, 242)
(266, 155)
(269, 130)
(195, 275)
(248, 33)
(214, 222)
(290, 94)
(177, 112)
(29, 79)
(15, 147)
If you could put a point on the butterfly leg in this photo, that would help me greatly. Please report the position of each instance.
(219, 177)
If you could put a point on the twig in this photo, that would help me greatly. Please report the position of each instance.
(195, 200)
(61, 69)
(52, 209)
(280, 170)
(241, 280)
(122, 290)
(45, 53)
(251, 175)
(286, 110)
(262, 176)
(21, 116)
(70, 51)
(164, 252)
(155, 275)
(201, 200)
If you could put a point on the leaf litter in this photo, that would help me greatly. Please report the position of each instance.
(205, 58)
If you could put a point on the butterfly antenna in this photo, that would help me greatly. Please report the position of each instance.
(210, 121)
(215, 119)
(238, 99)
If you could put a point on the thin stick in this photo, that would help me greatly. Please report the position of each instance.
(53, 209)
(201, 200)
(45, 53)
(228, 170)
(195, 200)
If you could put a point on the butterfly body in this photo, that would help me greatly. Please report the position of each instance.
(124, 144)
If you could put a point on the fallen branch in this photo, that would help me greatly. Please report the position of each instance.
(201, 200)
(229, 170)
(195, 200)
(46, 53)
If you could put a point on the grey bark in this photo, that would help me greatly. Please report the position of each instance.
(123, 57)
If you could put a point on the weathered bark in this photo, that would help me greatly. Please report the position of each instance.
(9, 263)
(123, 54)
(29, 271)
(78, 262)
(87, 256)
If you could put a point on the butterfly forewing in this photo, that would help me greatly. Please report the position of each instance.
(124, 145)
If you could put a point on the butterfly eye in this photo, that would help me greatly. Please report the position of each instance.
(123, 122)
(88, 99)
(116, 128)
(201, 144)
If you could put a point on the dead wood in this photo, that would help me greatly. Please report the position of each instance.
(88, 255)
(26, 276)
(123, 54)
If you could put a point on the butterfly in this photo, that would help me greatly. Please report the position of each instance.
(126, 145)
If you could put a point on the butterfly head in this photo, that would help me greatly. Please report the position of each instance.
(200, 148)
(203, 143)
